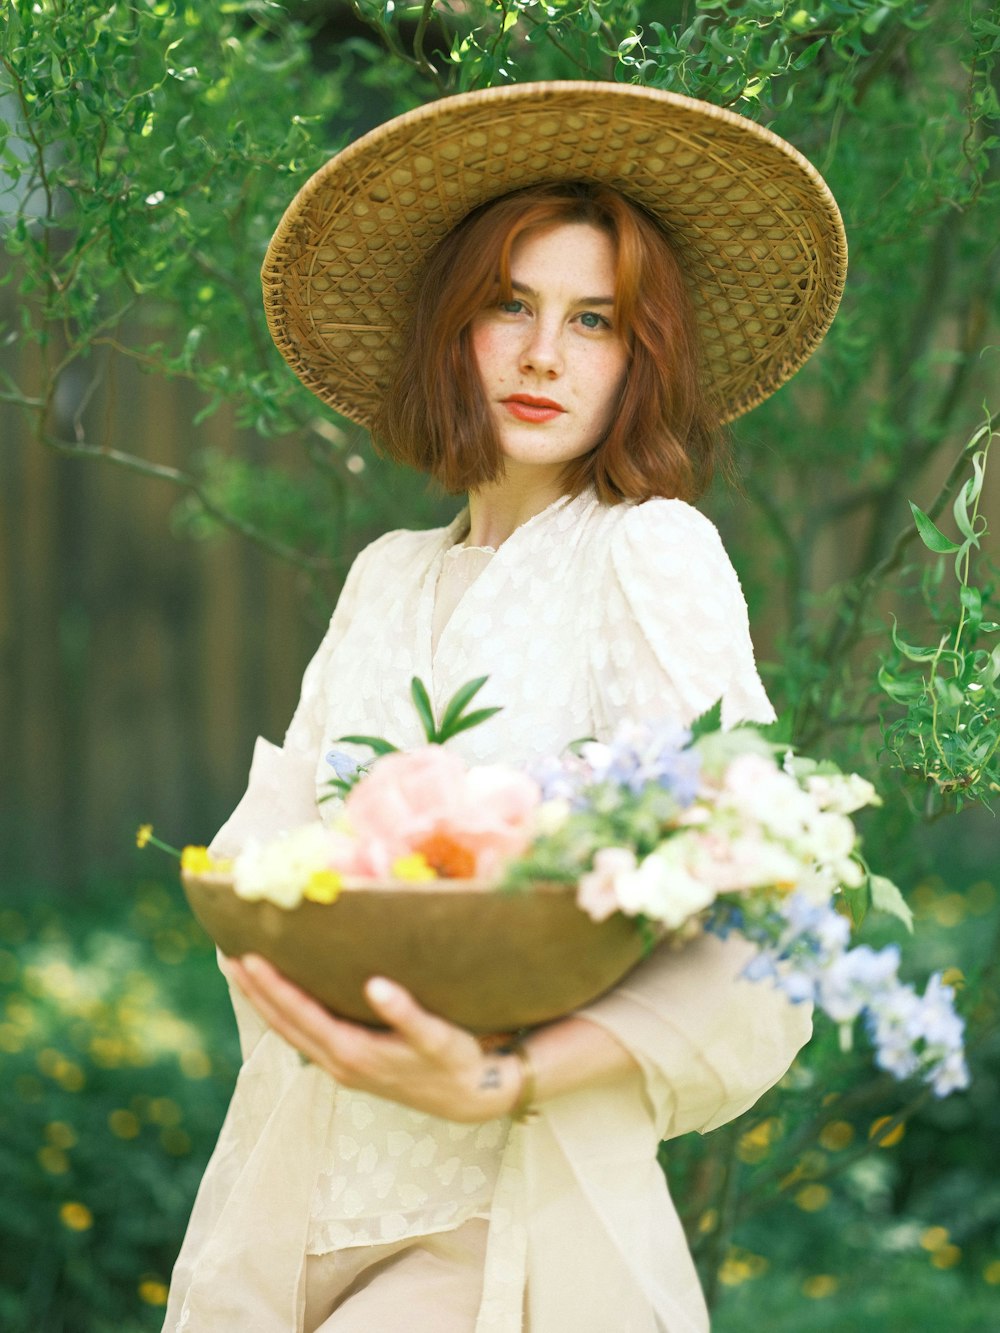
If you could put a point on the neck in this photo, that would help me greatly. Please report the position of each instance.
(495, 510)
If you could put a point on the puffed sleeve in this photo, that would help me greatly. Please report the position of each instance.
(675, 635)
(281, 788)
(709, 1042)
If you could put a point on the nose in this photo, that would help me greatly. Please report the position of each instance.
(542, 351)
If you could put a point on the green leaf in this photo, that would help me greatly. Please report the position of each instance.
(886, 897)
(911, 652)
(474, 719)
(988, 676)
(931, 535)
(460, 700)
(425, 711)
(710, 720)
(967, 495)
(858, 901)
(900, 690)
(378, 743)
(972, 604)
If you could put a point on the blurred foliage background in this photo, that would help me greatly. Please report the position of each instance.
(176, 516)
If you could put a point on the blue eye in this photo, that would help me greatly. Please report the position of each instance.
(591, 320)
(512, 307)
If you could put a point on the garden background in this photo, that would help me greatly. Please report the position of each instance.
(176, 515)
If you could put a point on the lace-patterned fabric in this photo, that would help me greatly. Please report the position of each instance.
(585, 615)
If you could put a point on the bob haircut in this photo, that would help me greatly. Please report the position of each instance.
(435, 416)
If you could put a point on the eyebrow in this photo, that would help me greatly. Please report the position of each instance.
(583, 300)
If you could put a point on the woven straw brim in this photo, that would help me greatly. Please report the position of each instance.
(758, 230)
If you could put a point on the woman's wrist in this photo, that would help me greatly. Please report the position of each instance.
(499, 1085)
(523, 1107)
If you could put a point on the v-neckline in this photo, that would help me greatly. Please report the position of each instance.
(427, 653)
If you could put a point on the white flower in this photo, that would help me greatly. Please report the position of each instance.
(830, 840)
(662, 887)
(598, 892)
(756, 789)
(551, 815)
(279, 870)
(843, 793)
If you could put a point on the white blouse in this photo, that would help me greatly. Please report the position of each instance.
(585, 615)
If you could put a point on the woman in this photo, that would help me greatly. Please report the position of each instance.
(548, 360)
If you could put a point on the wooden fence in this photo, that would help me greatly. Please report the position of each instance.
(136, 668)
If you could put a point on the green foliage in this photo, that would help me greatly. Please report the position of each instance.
(839, 1189)
(948, 736)
(150, 148)
(455, 719)
(118, 1058)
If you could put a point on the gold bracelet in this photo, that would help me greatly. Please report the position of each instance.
(523, 1108)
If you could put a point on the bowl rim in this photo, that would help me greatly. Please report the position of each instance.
(223, 879)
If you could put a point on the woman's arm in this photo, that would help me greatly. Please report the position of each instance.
(423, 1061)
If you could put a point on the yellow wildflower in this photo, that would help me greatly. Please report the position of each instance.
(885, 1139)
(153, 1291)
(323, 886)
(414, 868)
(76, 1216)
(811, 1198)
(198, 861)
(143, 835)
(124, 1124)
(819, 1286)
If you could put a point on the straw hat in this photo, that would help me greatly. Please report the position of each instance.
(758, 231)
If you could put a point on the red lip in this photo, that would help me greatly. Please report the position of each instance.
(534, 402)
(526, 407)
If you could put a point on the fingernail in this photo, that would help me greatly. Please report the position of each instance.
(380, 990)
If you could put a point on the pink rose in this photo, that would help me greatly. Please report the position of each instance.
(428, 800)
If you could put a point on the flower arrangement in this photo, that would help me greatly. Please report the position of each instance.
(683, 830)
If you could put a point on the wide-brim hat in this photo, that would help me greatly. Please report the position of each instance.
(757, 229)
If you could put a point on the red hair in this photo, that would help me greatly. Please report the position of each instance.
(435, 417)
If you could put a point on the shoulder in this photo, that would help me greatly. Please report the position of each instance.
(661, 536)
(395, 549)
(667, 520)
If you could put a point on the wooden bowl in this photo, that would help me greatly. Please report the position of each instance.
(490, 960)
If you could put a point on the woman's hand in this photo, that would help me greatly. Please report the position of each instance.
(422, 1061)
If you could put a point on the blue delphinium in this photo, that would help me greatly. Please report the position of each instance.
(803, 948)
(645, 754)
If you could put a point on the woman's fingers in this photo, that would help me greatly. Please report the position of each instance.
(428, 1035)
(293, 1013)
(422, 1061)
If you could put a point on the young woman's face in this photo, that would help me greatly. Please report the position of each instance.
(551, 361)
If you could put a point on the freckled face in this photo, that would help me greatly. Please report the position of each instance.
(552, 361)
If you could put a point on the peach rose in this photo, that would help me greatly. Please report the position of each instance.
(427, 800)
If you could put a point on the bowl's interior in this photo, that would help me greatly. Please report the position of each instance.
(486, 958)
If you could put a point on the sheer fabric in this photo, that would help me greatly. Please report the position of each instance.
(587, 614)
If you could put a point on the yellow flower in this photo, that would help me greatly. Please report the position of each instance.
(414, 868)
(153, 1291)
(811, 1198)
(76, 1216)
(143, 835)
(819, 1286)
(323, 886)
(876, 1131)
(124, 1124)
(199, 861)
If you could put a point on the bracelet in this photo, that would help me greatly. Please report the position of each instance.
(523, 1109)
